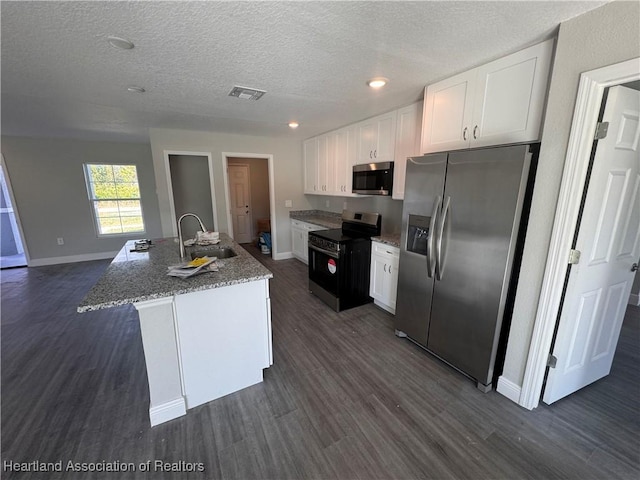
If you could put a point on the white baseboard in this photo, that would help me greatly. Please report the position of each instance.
(509, 389)
(86, 257)
(167, 411)
(634, 299)
(283, 256)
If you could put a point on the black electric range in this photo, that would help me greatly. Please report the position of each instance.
(340, 260)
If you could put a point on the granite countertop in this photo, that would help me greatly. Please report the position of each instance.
(392, 239)
(318, 217)
(138, 276)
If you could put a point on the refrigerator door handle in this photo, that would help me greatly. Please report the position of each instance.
(441, 256)
(431, 245)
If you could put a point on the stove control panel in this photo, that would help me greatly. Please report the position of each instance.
(324, 244)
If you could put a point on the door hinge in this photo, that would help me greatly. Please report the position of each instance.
(574, 257)
(552, 361)
(601, 130)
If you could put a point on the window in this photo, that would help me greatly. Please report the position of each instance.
(115, 197)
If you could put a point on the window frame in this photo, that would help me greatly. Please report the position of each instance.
(92, 200)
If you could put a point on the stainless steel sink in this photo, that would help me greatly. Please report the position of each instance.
(220, 252)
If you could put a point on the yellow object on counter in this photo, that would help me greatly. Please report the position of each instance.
(196, 262)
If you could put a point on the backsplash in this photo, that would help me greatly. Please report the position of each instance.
(391, 210)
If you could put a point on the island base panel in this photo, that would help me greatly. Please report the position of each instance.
(157, 326)
(225, 339)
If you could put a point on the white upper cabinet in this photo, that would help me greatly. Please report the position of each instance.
(447, 113)
(310, 148)
(407, 144)
(498, 103)
(329, 158)
(318, 165)
(345, 143)
(376, 139)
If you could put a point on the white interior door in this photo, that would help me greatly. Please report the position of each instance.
(240, 193)
(609, 241)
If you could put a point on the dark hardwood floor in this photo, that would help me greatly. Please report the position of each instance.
(344, 399)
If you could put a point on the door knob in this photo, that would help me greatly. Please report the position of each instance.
(634, 267)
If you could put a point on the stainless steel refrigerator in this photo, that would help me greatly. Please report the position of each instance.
(460, 223)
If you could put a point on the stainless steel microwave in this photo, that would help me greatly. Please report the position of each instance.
(373, 178)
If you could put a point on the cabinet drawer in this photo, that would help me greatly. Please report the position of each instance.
(306, 226)
(385, 250)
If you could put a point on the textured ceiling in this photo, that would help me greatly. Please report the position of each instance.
(60, 77)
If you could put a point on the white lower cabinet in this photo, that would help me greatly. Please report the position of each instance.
(384, 275)
(300, 239)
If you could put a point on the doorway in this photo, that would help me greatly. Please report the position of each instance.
(12, 254)
(250, 197)
(590, 95)
(241, 206)
(607, 236)
(190, 176)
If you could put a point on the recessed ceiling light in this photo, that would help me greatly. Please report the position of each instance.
(377, 82)
(135, 89)
(121, 43)
(293, 124)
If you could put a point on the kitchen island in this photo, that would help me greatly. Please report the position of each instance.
(203, 337)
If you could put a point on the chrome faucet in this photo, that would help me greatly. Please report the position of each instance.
(204, 229)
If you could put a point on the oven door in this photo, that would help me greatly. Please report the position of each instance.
(325, 269)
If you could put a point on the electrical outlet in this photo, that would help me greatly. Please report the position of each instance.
(60, 241)
(327, 203)
(288, 204)
(344, 205)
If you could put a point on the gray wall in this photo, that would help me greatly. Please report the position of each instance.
(51, 198)
(259, 180)
(191, 192)
(287, 161)
(598, 38)
(391, 210)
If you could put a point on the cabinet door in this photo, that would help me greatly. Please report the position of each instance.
(324, 158)
(510, 96)
(392, 279)
(407, 144)
(366, 140)
(377, 286)
(342, 166)
(448, 110)
(385, 141)
(311, 165)
(297, 242)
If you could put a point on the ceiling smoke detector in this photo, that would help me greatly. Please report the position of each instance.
(246, 93)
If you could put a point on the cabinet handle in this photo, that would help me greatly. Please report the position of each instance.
(389, 268)
(464, 134)
(375, 154)
(385, 267)
(475, 130)
(370, 153)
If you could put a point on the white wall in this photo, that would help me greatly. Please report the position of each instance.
(287, 162)
(598, 38)
(50, 192)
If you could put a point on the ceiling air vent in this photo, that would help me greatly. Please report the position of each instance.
(246, 93)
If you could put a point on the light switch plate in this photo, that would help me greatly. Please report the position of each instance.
(288, 203)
